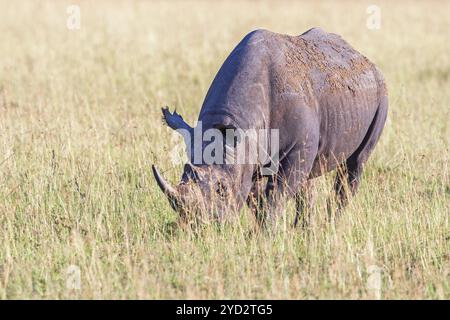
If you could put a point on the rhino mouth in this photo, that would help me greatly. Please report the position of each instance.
(185, 199)
(188, 200)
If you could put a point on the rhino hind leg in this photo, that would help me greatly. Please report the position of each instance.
(348, 176)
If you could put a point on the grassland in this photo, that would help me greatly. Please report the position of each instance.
(80, 126)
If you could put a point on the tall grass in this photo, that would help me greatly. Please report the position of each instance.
(80, 126)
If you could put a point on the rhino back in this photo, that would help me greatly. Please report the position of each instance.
(271, 77)
(322, 72)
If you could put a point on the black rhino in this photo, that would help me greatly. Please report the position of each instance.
(326, 100)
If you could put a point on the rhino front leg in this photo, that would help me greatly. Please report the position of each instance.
(303, 204)
(292, 177)
(255, 200)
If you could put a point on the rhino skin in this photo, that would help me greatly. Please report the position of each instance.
(328, 101)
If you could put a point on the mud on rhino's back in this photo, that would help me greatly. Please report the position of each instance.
(341, 84)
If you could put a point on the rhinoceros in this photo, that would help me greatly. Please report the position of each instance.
(327, 102)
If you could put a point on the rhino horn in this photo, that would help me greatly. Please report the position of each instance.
(168, 190)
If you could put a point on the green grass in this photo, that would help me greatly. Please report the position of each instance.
(80, 126)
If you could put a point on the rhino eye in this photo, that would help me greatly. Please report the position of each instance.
(229, 133)
(221, 190)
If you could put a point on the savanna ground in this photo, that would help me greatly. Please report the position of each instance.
(80, 126)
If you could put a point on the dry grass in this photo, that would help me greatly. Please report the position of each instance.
(80, 126)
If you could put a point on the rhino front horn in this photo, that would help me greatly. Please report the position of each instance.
(165, 187)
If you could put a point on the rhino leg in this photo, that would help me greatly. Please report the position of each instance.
(348, 176)
(292, 177)
(346, 184)
(303, 204)
(255, 198)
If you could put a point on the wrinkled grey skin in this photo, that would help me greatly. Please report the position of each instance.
(328, 101)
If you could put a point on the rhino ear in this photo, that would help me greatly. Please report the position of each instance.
(174, 120)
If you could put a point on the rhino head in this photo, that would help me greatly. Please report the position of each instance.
(205, 190)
